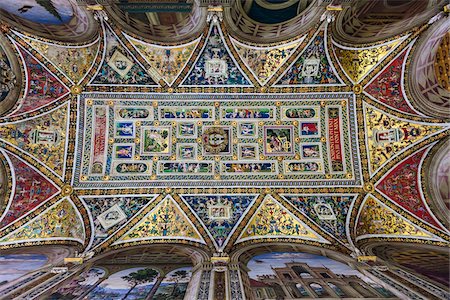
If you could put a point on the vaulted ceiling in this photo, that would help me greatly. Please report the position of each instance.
(216, 141)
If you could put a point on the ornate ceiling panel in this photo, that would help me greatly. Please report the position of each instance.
(216, 142)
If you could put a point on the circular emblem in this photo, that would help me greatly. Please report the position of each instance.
(215, 140)
(66, 190)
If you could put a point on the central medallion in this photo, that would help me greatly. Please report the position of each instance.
(216, 140)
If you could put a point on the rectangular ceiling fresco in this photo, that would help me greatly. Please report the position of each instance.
(192, 140)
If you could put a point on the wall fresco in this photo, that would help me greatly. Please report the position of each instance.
(294, 275)
(14, 266)
(174, 285)
(78, 286)
(133, 284)
(55, 12)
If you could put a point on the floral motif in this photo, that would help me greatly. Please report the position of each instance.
(312, 67)
(215, 65)
(402, 186)
(387, 135)
(43, 137)
(98, 206)
(329, 212)
(166, 220)
(375, 218)
(387, 86)
(31, 190)
(59, 221)
(220, 214)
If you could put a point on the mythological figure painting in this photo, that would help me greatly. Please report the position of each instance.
(278, 140)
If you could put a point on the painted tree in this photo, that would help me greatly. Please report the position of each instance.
(176, 277)
(139, 277)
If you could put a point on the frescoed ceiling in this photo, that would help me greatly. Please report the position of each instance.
(215, 141)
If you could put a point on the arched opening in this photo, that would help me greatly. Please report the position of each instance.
(303, 292)
(427, 90)
(273, 21)
(164, 27)
(437, 181)
(10, 76)
(370, 21)
(301, 272)
(337, 290)
(429, 261)
(319, 290)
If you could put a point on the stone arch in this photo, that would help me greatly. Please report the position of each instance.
(149, 254)
(80, 27)
(240, 24)
(5, 184)
(181, 28)
(371, 21)
(427, 94)
(429, 261)
(319, 290)
(436, 180)
(10, 76)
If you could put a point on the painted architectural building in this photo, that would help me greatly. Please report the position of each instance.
(216, 150)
